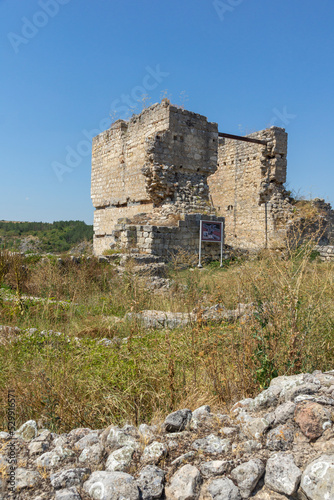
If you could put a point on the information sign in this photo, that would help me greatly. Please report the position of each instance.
(211, 232)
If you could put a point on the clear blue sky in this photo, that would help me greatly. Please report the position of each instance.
(67, 65)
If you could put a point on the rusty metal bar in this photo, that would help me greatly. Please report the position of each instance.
(240, 138)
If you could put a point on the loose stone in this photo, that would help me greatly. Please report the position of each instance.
(282, 474)
(318, 479)
(111, 485)
(177, 421)
(247, 476)
(184, 484)
(151, 482)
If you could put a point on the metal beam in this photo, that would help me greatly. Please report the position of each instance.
(241, 138)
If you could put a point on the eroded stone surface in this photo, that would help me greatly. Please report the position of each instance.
(312, 419)
(214, 468)
(177, 421)
(201, 412)
(248, 446)
(220, 489)
(37, 447)
(282, 474)
(76, 434)
(266, 398)
(111, 486)
(212, 444)
(280, 438)
(256, 427)
(68, 494)
(117, 438)
(283, 412)
(87, 440)
(318, 479)
(247, 476)
(154, 452)
(119, 460)
(69, 477)
(53, 458)
(267, 494)
(27, 431)
(26, 478)
(151, 482)
(184, 484)
(91, 454)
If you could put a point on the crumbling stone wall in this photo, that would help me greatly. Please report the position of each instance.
(247, 189)
(161, 157)
(179, 161)
(278, 445)
(170, 159)
(326, 252)
(118, 185)
(325, 211)
(165, 241)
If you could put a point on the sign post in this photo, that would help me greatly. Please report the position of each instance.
(212, 232)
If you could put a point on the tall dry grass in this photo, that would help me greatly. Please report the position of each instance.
(70, 382)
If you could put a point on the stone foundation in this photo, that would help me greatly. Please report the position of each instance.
(326, 252)
(166, 241)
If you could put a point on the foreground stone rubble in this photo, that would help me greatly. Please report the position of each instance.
(278, 445)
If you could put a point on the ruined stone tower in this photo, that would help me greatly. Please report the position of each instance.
(167, 161)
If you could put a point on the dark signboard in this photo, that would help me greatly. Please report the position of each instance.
(212, 231)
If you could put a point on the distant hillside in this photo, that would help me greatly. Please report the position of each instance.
(60, 236)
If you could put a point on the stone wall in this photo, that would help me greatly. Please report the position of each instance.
(179, 161)
(118, 185)
(326, 252)
(167, 240)
(247, 189)
(312, 222)
(278, 445)
(105, 220)
(326, 211)
(168, 158)
(162, 156)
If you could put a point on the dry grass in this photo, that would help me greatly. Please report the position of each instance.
(83, 383)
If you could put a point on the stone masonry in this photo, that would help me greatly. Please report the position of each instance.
(169, 162)
(278, 446)
(247, 189)
(166, 240)
(161, 157)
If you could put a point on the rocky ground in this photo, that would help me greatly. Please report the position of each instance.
(279, 445)
(148, 318)
(167, 319)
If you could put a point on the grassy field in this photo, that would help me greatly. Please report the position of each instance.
(72, 380)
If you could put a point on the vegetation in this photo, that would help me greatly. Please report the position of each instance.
(59, 236)
(72, 379)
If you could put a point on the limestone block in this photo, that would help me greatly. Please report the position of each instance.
(318, 478)
(282, 475)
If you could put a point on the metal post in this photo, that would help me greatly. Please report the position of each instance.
(200, 245)
(221, 244)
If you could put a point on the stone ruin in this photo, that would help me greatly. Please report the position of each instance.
(276, 446)
(157, 175)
